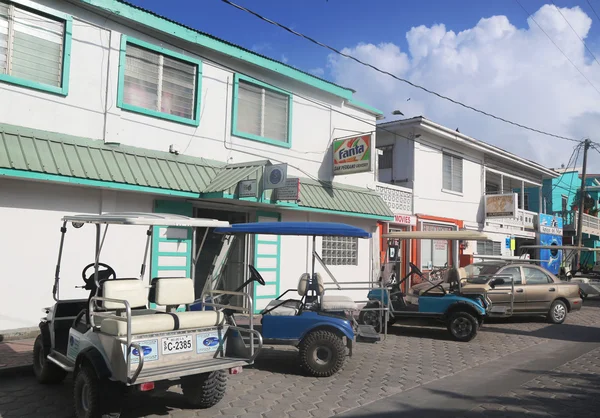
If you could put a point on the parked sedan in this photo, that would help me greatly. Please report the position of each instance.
(536, 291)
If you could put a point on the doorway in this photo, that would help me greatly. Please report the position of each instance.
(233, 274)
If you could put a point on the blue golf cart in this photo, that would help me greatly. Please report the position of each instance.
(448, 302)
(320, 325)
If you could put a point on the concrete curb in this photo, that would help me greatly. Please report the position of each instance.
(19, 334)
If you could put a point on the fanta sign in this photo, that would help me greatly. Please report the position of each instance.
(352, 155)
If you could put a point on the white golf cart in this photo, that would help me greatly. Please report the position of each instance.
(114, 343)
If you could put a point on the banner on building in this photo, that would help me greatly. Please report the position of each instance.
(551, 229)
(352, 155)
(501, 205)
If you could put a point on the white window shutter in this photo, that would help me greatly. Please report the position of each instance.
(447, 172)
(276, 116)
(249, 109)
(157, 82)
(457, 174)
(3, 38)
(37, 48)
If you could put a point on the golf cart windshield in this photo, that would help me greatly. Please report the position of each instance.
(481, 272)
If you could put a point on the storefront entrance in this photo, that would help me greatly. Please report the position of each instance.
(234, 273)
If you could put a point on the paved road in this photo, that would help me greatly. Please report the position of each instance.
(512, 367)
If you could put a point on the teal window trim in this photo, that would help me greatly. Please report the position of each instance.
(277, 257)
(32, 175)
(175, 29)
(63, 90)
(253, 137)
(163, 51)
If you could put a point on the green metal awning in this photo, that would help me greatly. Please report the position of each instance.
(336, 197)
(43, 155)
(228, 178)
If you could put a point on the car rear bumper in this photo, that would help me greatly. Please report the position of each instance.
(575, 303)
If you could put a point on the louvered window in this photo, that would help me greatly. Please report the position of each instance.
(32, 47)
(452, 172)
(262, 113)
(489, 248)
(160, 84)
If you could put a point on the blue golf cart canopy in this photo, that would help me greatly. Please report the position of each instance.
(296, 228)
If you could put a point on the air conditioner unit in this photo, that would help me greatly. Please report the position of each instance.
(274, 176)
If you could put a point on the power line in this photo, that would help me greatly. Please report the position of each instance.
(593, 10)
(557, 47)
(575, 32)
(396, 77)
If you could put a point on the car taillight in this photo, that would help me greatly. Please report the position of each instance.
(145, 387)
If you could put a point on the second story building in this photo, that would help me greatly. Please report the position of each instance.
(460, 182)
(105, 106)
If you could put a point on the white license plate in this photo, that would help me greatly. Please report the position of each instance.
(180, 344)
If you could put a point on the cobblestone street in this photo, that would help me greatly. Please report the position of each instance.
(410, 358)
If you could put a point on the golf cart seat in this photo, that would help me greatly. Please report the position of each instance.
(168, 292)
(328, 302)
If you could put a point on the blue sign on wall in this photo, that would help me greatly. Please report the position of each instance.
(551, 229)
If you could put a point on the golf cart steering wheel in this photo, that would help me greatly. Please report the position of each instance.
(255, 275)
(414, 269)
(106, 274)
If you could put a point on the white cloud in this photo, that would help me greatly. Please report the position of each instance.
(319, 72)
(514, 73)
(284, 59)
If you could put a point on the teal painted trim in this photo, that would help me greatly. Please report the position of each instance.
(223, 195)
(171, 254)
(178, 30)
(150, 112)
(63, 90)
(32, 175)
(171, 268)
(234, 111)
(293, 206)
(266, 242)
(269, 283)
(276, 269)
(365, 106)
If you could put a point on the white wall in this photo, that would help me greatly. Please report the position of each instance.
(429, 198)
(93, 94)
(30, 216)
(296, 256)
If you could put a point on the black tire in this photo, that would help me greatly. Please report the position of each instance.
(45, 371)
(371, 317)
(95, 398)
(322, 353)
(558, 312)
(204, 390)
(462, 326)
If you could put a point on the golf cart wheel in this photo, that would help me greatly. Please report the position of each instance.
(204, 390)
(322, 353)
(371, 317)
(558, 312)
(95, 398)
(463, 326)
(45, 371)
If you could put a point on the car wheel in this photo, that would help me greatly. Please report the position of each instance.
(44, 370)
(463, 326)
(322, 353)
(558, 312)
(204, 390)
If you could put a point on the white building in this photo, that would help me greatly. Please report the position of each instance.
(451, 175)
(107, 107)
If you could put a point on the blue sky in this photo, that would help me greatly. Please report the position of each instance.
(499, 64)
(339, 23)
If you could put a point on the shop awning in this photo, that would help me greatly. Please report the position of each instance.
(227, 179)
(343, 199)
(42, 155)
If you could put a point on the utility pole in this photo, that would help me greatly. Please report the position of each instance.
(586, 146)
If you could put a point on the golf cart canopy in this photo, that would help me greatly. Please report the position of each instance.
(145, 219)
(296, 228)
(439, 235)
(560, 247)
